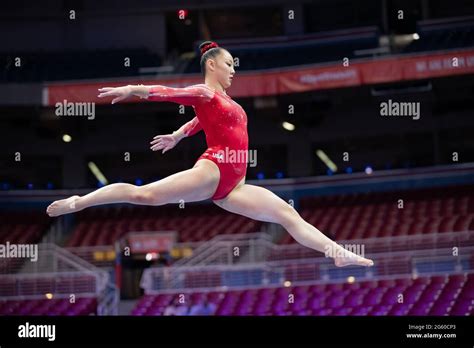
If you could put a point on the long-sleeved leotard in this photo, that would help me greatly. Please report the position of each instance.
(192, 127)
(225, 124)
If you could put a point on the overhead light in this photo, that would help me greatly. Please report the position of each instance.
(67, 138)
(151, 256)
(97, 173)
(326, 160)
(288, 126)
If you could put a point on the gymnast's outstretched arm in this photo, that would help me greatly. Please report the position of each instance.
(189, 96)
(195, 184)
(168, 141)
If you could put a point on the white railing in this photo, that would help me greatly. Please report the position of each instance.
(257, 248)
(382, 244)
(60, 274)
(401, 263)
(220, 248)
(96, 255)
(101, 255)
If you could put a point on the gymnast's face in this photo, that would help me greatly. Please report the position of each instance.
(222, 66)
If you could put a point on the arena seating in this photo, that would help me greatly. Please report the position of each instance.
(267, 53)
(82, 306)
(366, 215)
(437, 36)
(23, 227)
(103, 226)
(322, 47)
(69, 65)
(436, 295)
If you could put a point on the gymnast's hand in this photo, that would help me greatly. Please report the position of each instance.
(120, 92)
(163, 142)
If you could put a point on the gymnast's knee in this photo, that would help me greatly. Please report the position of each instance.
(145, 196)
(287, 216)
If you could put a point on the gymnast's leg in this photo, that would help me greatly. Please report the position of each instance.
(195, 184)
(261, 204)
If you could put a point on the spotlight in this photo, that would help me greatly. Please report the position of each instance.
(67, 138)
(97, 173)
(151, 256)
(326, 160)
(288, 126)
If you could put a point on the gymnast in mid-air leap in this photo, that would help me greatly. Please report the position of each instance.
(213, 176)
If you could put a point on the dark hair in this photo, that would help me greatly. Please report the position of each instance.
(211, 51)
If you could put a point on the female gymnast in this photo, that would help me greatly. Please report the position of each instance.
(225, 125)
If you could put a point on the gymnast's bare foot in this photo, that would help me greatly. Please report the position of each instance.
(344, 257)
(352, 259)
(63, 206)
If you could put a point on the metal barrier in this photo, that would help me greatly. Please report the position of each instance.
(99, 256)
(104, 255)
(310, 266)
(220, 249)
(59, 274)
(258, 247)
(382, 244)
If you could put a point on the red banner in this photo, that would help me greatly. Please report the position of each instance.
(292, 80)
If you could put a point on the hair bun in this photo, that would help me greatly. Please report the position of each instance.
(208, 46)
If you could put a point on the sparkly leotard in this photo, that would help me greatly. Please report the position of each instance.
(225, 124)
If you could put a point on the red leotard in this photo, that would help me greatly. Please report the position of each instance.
(225, 124)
